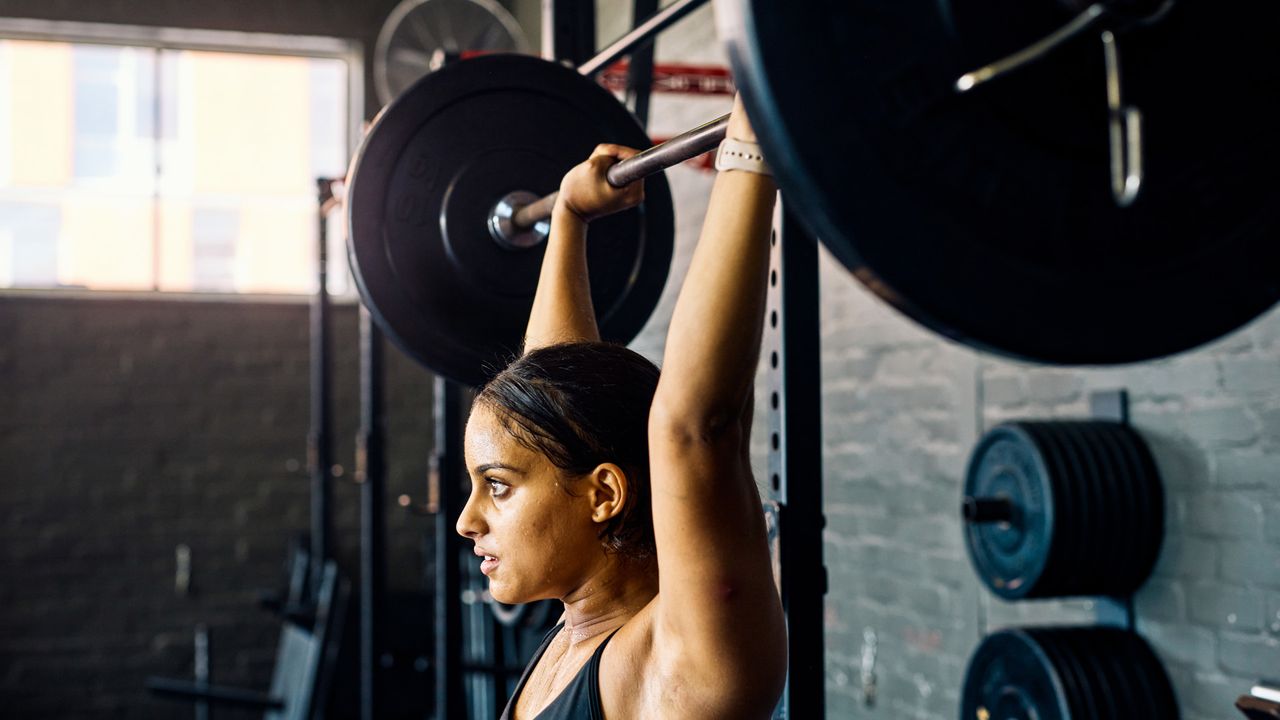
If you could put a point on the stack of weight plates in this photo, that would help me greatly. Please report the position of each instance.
(1057, 509)
(1066, 674)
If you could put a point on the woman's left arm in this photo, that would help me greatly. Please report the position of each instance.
(718, 611)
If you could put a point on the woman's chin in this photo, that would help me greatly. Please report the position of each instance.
(504, 595)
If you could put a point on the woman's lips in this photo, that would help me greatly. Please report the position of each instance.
(490, 561)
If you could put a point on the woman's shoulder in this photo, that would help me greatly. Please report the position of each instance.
(628, 666)
(643, 673)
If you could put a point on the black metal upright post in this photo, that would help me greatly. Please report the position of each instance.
(319, 450)
(640, 74)
(791, 347)
(447, 498)
(371, 474)
(569, 30)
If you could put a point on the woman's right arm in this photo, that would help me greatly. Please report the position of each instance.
(562, 310)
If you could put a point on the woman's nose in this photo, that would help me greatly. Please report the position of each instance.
(470, 524)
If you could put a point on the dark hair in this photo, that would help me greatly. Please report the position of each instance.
(583, 404)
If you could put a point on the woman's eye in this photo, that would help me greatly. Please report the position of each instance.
(496, 489)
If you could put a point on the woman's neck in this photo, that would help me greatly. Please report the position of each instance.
(610, 597)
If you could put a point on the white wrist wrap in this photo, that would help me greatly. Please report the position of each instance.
(741, 155)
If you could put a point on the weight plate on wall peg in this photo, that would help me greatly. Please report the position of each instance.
(1116, 500)
(1068, 571)
(1011, 677)
(1102, 495)
(1150, 487)
(1012, 556)
(1096, 557)
(1095, 673)
(1127, 694)
(1117, 496)
(1146, 509)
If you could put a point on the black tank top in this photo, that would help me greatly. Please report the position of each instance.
(580, 700)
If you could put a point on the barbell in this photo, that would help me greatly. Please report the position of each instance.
(423, 189)
(1064, 208)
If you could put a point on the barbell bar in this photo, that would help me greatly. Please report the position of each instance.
(684, 146)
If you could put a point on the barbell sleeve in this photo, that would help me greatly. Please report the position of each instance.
(690, 144)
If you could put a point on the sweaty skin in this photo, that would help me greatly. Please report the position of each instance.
(700, 628)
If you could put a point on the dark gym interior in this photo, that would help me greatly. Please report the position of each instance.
(160, 435)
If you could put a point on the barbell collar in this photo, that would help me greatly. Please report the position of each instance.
(687, 145)
(502, 224)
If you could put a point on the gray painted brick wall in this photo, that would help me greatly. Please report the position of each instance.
(1210, 609)
(133, 426)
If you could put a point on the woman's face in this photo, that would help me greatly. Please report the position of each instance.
(540, 540)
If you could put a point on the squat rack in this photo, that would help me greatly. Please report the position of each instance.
(793, 509)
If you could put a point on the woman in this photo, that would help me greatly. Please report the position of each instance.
(657, 549)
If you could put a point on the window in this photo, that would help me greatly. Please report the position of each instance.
(28, 244)
(213, 248)
(164, 164)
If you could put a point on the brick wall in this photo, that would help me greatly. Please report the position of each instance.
(903, 409)
(131, 426)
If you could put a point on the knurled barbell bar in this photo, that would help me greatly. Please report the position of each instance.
(517, 223)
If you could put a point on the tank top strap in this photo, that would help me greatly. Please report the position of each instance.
(593, 677)
(528, 670)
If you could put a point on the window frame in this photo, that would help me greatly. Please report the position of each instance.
(160, 39)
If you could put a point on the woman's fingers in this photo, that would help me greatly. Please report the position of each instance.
(620, 152)
(586, 190)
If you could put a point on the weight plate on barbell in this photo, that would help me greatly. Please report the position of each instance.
(988, 216)
(425, 180)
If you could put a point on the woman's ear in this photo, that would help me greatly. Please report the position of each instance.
(607, 491)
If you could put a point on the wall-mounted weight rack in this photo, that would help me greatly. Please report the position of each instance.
(1066, 509)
